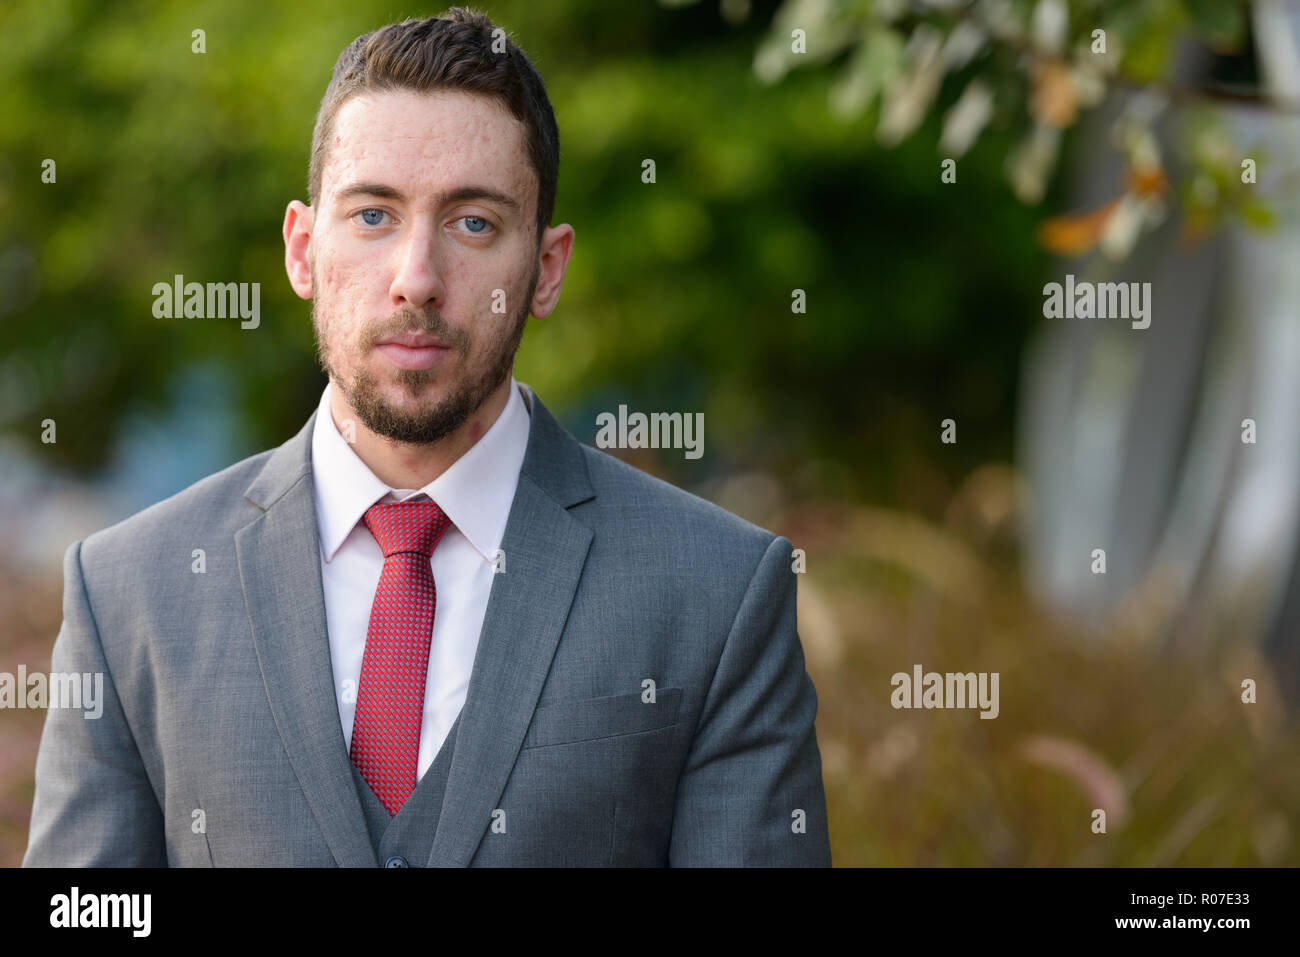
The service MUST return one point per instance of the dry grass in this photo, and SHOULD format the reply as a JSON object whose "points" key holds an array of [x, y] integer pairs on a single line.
{"points": [[1157, 737]]}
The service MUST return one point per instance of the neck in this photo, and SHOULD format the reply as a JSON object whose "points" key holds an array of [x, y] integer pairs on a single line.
{"points": [[404, 465]]}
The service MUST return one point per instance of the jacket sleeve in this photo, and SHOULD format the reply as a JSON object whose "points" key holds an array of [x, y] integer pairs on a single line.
{"points": [[94, 804], [751, 793]]}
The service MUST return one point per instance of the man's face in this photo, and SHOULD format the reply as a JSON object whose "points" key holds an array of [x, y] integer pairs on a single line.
{"points": [[421, 284]]}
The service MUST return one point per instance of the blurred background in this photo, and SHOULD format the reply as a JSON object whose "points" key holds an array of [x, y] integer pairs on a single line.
{"points": [[799, 145]]}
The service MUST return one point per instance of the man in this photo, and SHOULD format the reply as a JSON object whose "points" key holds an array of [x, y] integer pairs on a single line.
{"points": [[432, 628]]}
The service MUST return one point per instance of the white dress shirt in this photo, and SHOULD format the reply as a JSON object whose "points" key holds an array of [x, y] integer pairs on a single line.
{"points": [[476, 493]]}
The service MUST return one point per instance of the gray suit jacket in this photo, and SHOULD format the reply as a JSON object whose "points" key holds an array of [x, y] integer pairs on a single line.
{"points": [[220, 708]]}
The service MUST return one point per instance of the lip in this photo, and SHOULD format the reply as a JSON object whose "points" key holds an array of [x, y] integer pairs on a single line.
{"points": [[414, 340], [424, 354]]}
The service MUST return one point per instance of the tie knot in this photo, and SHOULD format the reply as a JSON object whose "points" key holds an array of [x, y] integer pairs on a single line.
{"points": [[407, 526]]}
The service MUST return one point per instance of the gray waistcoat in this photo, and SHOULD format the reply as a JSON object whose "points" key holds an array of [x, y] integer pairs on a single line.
{"points": [[408, 835]]}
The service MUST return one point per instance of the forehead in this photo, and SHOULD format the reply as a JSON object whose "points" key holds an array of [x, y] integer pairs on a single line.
{"points": [[424, 142]]}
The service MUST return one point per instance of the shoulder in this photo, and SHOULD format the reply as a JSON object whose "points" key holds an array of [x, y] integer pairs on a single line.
{"points": [[640, 504], [214, 504]]}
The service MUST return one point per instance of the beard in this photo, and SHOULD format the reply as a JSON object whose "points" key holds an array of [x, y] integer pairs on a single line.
{"points": [[423, 425]]}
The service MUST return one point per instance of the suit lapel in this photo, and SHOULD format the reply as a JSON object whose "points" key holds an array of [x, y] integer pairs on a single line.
{"points": [[279, 567], [545, 550]]}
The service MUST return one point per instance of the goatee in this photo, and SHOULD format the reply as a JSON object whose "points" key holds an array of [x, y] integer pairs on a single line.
{"points": [[423, 425]]}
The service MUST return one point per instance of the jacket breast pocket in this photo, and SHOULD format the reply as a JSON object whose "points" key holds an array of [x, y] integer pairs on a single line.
{"points": [[590, 719]]}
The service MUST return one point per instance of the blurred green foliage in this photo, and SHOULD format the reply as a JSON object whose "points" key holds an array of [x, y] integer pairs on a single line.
{"points": [[678, 294]]}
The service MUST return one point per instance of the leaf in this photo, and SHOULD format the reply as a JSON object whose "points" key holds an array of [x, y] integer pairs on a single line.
{"points": [[1148, 180], [1053, 101], [1077, 233], [908, 100], [875, 65], [1222, 22], [1150, 47], [968, 116], [1256, 214], [1123, 228], [1031, 161]]}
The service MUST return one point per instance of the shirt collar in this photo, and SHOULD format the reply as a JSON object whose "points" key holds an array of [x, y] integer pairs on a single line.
{"points": [[476, 492]]}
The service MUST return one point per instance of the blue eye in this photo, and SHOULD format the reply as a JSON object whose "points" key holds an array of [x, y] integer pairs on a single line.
{"points": [[371, 217], [475, 219]]}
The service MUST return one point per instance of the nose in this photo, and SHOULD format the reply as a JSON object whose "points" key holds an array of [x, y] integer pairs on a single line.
{"points": [[418, 281]]}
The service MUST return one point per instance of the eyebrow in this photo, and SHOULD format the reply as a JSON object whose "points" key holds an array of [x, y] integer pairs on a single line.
{"points": [[450, 196]]}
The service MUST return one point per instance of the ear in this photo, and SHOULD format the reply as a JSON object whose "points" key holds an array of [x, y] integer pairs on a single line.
{"points": [[298, 220], [556, 248]]}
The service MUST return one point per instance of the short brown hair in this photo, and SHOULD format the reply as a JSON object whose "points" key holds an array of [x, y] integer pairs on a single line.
{"points": [[451, 52]]}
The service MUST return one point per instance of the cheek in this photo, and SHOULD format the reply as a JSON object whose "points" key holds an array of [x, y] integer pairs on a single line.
{"points": [[339, 280], [341, 292], [344, 265], [498, 292]]}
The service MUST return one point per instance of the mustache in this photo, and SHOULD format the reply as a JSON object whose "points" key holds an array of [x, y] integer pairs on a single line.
{"points": [[410, 321]]}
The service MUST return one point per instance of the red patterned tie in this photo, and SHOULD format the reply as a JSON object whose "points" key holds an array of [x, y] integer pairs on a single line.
{"points": [[390, 698]]}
